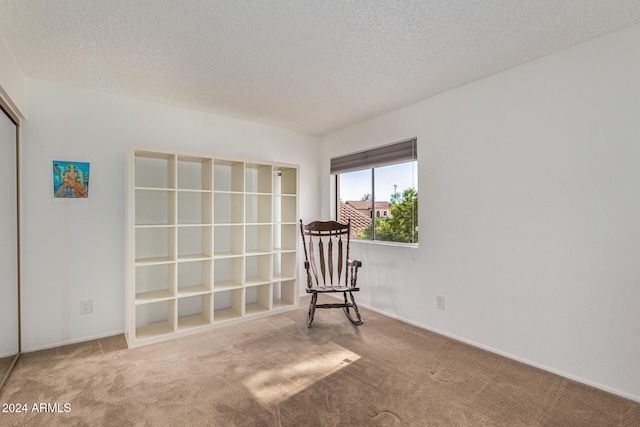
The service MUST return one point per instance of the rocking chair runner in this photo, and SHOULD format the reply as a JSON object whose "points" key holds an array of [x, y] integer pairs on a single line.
{"points": [[315, 235]]}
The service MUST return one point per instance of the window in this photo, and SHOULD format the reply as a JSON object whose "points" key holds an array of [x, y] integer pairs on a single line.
{"points": [[378, 190]]}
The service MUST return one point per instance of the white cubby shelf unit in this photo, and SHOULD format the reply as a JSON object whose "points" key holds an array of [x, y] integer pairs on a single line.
{"points": [[209, 241]]}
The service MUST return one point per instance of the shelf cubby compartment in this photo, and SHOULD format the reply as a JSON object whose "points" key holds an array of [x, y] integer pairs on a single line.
{"points": [[228, 208], [285, 237], [228, 273], [155, 170], [285, 181], [155, 283], [258, 269], [228, 240], [284, 266], [258, 239], [257, 299], [194, 173], [228, 305], [194, 242], [258, 209], [194, 278], [288, 211], [155, 207], [194, 207], [284, 294], [155, 319], [194, 311], [257, 178], [228, 176], [155, 245]]}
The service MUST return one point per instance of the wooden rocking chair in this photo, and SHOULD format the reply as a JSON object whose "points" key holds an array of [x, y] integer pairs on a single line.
{"points": [[316, 235]]}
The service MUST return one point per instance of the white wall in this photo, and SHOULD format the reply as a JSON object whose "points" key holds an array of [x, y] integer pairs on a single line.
{"points": [[529, 213], [73, 249]]}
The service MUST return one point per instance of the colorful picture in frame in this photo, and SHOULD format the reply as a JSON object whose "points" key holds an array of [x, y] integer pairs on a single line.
{"points": [[70, 179]]}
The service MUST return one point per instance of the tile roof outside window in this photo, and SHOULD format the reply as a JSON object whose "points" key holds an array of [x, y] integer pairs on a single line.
{"points": [[359, 221]]}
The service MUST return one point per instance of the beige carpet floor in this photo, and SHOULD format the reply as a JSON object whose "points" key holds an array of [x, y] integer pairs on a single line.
{"points": [[5, 365], [275, 372]]}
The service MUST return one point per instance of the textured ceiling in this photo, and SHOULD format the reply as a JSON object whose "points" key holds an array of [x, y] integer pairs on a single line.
{"points": [[309, 65]]}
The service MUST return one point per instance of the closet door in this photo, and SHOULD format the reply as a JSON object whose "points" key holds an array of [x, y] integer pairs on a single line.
{"points": [[8, 243]]}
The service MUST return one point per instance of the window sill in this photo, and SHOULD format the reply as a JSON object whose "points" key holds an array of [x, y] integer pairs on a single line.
{"points": [[385, 243]]}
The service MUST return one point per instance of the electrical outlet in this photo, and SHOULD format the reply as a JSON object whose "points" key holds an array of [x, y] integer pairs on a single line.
{"points": [[439, 302], [86, 306]]}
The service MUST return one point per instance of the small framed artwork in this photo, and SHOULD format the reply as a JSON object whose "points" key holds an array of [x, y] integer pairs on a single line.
{"points": [[70, 179]]}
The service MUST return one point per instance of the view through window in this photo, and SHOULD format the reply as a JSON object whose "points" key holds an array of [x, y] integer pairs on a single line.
{"points": [[380, 200]]}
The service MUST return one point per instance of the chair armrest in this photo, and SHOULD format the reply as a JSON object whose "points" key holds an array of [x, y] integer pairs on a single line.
{"points": [[354, 263]]}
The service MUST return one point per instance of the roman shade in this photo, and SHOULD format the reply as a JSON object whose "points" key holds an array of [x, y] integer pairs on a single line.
{"points": [[398, 152]]}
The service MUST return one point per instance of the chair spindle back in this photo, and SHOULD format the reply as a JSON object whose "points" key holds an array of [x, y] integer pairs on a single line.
{"points": [[314, 237]]}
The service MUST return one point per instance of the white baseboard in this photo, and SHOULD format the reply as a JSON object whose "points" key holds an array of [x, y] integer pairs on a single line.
{"points": [[73, 341]]}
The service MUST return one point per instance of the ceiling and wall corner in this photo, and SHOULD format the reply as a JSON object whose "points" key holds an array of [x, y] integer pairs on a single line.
{"points": [[312, 66], [12, 80]]}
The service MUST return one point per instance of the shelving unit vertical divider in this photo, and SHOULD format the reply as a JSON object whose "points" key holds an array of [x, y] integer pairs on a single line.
{"points": [[172, 184], [129, 249], [207, 183]]}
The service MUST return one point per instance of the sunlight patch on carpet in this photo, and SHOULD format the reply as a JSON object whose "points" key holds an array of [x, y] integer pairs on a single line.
{"points": [[274, 385]]}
